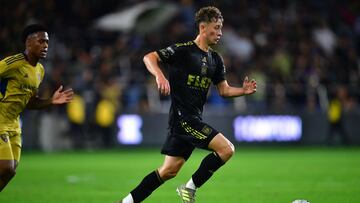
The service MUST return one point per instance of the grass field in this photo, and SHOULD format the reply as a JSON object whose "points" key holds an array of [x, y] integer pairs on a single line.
{"points": [[254, 175]]}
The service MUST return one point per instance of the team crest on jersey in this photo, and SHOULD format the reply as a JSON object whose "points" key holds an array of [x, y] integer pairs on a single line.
{"points": [[4, 137], [207, 130], [204, 60]]}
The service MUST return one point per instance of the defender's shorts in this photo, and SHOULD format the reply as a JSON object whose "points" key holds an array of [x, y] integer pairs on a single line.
{"points": [[10, 145], [185, 135]]}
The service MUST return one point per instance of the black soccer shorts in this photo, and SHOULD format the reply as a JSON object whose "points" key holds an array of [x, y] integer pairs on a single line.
{"points": [[186, 134]]}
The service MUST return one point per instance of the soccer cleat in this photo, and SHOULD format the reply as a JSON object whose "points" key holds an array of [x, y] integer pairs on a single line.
{"points": [[187, 195]]}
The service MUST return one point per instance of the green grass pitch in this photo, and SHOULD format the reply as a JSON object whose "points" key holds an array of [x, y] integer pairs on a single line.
{"points": [[253, 175]]}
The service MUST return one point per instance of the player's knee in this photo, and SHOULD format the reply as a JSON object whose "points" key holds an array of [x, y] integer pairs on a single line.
{"points": [[227, 152], [169, 172]]}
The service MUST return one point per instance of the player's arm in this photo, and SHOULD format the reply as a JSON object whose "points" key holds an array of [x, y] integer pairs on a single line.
{"points": [[225, 90], [59, 97], [4, 68], [152, 61]]}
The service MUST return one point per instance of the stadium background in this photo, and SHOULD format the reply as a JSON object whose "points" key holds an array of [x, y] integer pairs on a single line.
{"points": [[303, 54]]}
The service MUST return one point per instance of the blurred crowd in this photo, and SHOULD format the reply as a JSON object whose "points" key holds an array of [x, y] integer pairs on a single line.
{"points": [[300, 53]]}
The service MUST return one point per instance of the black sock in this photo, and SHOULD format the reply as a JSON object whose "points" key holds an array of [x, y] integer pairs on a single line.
{"points": [[208, 166], [147, 186]]}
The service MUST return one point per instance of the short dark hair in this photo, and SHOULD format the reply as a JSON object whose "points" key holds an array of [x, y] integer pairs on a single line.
{"points": [[30, 29], [207, 15]]}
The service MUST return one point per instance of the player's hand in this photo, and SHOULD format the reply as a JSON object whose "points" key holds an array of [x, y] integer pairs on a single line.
{"points": [[249, 86], [61, 97], [163, 85]]}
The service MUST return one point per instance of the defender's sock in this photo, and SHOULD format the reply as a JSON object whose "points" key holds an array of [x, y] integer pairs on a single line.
{"points": [[146, 186], [190, 184], [128, 199], [208, 166]]}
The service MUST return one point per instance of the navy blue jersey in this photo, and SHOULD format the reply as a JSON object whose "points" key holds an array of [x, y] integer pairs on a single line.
{"points": [[191, 72]]}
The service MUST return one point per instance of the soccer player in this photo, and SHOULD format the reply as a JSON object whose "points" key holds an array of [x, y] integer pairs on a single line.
{"points": [[20, 77], [193, 67]]}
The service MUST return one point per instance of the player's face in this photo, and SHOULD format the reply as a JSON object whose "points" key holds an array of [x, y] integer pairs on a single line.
{"points": [[38, 44], [213, 31]]}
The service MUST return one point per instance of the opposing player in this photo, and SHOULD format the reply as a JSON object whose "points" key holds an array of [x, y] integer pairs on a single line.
{"points": [[193, 67], [20, 77]]}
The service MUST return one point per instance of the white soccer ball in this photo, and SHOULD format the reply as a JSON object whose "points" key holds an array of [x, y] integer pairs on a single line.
{"points": [[300, 201]]}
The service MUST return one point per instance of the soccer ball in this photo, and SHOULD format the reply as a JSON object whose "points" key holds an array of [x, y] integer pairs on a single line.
{"points": [[300, 201]]}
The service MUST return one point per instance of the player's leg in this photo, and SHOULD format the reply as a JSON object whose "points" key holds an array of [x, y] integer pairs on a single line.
{"points": [[170, 167], [223, 150], [7, 172], [222, 146], [153, 180], [203, 136], [176, 152], [8, 162]]}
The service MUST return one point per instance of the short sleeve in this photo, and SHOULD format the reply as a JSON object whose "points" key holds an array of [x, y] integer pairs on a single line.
{"points": [[4, 68], [220, 72], [169, 54]]}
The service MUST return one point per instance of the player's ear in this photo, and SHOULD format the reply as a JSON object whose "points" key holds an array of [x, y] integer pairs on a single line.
{"points": [[27, 43], [202, 26]]}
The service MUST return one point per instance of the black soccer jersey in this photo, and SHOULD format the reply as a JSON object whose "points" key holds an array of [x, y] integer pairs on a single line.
{"points": [[191, 72]]}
